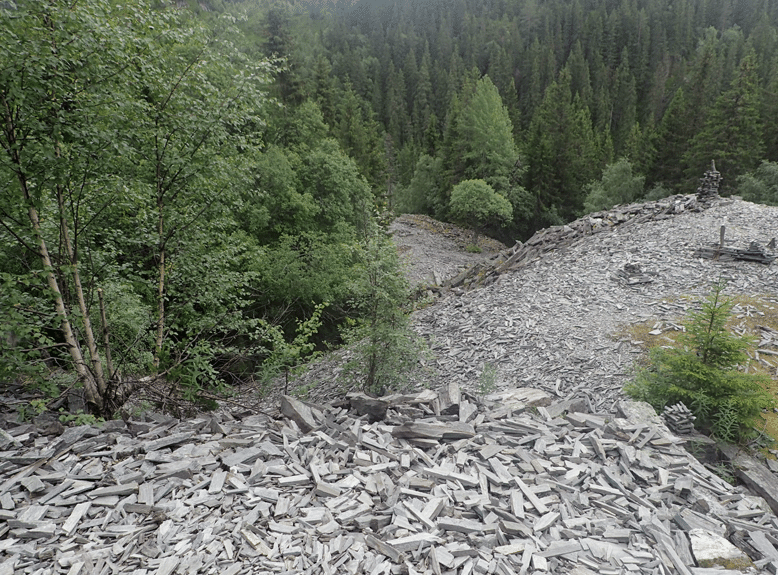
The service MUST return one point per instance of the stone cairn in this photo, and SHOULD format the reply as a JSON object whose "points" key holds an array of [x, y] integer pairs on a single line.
{"points": [[709, 183], [679, 419]]}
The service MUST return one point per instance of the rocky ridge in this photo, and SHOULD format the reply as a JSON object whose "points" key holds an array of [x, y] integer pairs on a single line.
{"points": [[552, 313]]}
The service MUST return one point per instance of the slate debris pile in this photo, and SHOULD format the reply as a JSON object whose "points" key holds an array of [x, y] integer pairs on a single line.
{"points": [[561, 237], [679, 419], [633, 275], [443, 484]]}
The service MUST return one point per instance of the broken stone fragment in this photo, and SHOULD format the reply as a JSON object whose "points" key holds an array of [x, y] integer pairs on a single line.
{"points": [[712, 550]]}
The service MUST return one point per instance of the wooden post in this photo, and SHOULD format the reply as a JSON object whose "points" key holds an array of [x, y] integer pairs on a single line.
{"points": [[722, 231]]}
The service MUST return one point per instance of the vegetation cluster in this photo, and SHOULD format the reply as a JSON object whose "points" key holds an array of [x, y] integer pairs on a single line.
{"points": [[164, 216], [707, 369], [561, 106], [196, 191]]}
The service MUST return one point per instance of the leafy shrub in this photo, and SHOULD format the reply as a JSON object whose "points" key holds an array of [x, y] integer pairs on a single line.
{"points": [[658, 192], [25, 335], [704, 374], [487, 381], [475, 203]]}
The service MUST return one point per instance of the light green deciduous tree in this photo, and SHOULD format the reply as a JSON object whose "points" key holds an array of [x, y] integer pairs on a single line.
{"points": [[618, 186], [475, 203]]}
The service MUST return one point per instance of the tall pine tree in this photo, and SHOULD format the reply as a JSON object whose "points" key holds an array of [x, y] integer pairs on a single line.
{"points": [[562, 155], [732, 134]]}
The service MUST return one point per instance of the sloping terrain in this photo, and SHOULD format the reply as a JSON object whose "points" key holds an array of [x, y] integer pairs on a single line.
{"points": [[549, 473], [433, 251], [556, 316], [554, 322]]}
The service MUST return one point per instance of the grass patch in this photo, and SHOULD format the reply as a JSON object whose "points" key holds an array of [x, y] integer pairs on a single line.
{"points": [[752, 316]]}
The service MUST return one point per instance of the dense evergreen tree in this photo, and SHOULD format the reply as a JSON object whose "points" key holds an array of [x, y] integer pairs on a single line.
{"points": [[732, 134], [562, 155], [624, 103], [673, 137], [482, 145], [360, 136]]}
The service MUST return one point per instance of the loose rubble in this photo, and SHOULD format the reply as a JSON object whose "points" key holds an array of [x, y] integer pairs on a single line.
{"points": [[517, 483], [555, 315], [552, 472]]}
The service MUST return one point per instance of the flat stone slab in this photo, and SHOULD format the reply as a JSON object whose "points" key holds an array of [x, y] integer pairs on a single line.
{"points": [[758, 478], [711, 550]]}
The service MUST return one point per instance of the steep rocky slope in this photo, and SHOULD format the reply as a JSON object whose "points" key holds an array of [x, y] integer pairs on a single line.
{"points": [[581, 483], [555, 323]]}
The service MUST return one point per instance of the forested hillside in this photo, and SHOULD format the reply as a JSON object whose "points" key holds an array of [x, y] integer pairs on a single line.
{"points": [[655, 89], [194, 191]]}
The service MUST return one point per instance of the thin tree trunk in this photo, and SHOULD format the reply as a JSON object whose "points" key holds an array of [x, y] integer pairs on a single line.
{"points": [[92, 393], [90, 386], [106, 338], [97, 365], [160, 291]]}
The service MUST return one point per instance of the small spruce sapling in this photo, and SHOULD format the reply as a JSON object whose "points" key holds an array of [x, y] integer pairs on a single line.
{"points": [[704, 373]]}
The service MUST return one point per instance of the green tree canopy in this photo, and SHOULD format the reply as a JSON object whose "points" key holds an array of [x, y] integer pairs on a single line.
{"points": [[562, 154], [761, 185], [484, 147], [732, 135], [475, 203]]}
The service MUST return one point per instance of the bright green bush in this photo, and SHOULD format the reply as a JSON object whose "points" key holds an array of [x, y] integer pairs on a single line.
{"points": [[704, 373], [476, 204], [760, 186], [619, 185]]}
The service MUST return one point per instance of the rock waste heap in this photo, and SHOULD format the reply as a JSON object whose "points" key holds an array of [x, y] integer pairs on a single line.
{"points": [[575, 233], [496, 487]]}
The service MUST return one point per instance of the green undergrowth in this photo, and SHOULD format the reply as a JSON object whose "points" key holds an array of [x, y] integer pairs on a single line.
{"points": [[748, 320]]}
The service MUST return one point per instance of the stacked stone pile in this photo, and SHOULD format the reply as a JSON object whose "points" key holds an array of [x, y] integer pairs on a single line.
{"points": [[679, 419], [709, 184]]}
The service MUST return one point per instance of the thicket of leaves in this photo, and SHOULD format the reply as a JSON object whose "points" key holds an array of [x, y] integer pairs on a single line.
{"points": [[706, 372], [214, 168], [476, 204], [145, 159]]}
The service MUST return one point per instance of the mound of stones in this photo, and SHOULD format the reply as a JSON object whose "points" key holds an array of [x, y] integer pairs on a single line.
{"points": [[427, 483], [568, 235]]}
